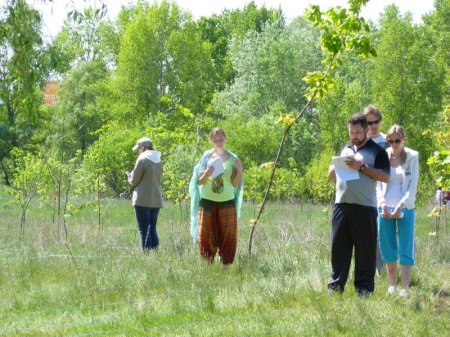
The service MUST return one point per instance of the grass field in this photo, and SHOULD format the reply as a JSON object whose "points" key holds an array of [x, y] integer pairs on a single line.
{"points": [[99, 282]]}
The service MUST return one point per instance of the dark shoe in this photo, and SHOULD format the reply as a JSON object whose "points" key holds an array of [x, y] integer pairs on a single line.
{"points": [[331, 291], [363, 293]]}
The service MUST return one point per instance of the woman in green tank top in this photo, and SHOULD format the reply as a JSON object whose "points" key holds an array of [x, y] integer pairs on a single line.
{"points": [[218, 177]]}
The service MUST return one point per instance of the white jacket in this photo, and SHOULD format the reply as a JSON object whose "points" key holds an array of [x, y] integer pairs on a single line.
{"points": [[410, 180]]}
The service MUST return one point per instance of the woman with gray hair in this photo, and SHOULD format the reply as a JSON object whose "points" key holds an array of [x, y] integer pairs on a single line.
{"points": [[147, 196]]}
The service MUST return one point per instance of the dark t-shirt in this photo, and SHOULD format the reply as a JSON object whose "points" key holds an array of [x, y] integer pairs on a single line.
{"points": [[362, 191]]}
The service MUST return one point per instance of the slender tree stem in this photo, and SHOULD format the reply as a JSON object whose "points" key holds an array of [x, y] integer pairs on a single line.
{"points": [[277, 159]]}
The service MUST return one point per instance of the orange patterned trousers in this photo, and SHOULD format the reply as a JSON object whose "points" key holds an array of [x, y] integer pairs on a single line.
{"points": [[217, 230]]}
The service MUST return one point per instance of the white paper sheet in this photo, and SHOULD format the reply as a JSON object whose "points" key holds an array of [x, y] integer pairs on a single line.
{"points": [[343, 172], [217, 163]]}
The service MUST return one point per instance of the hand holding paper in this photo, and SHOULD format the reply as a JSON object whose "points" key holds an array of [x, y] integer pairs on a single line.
{"points": [[343, 172], [217, 165]]}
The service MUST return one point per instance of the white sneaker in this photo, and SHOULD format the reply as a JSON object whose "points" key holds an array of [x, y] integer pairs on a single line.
{"points": [[404, 293], [392, 290]]}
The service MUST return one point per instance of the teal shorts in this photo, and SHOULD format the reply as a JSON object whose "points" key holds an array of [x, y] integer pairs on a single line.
{"points": [[396, 238]]}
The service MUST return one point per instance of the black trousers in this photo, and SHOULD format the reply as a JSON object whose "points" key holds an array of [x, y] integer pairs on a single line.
{"points": [[353, 226]]}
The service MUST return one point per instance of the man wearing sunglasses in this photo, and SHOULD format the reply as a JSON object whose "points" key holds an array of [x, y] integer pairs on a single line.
{"points": [[374, 118]]}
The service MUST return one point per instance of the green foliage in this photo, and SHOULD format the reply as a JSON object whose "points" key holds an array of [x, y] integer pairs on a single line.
{"points": [[286, 185], [269, 68], [426, 189], [321, 82], [157, 72], [78, 115], [23, 60], [27, 180], [178, 166], [337, 106], [86, 37], [256, 180], [107, 160], [437, 26], [24, 65], [342, 30], [317, 186], [408, 81], [254, 141], [177, 127], [221, 29], [440, 168], [57, 183], [303, 143], [439, 162], [152, 63], [27, 176]]}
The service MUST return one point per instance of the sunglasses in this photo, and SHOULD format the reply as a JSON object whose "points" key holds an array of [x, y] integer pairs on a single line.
{"points": [[374, 122], [396, 141]]}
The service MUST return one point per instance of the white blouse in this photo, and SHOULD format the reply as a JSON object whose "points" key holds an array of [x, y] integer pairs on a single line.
{"points": [[394, 193]]}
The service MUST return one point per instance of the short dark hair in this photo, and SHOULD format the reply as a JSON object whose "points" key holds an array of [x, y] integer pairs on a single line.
{"points": [[358, 119]]}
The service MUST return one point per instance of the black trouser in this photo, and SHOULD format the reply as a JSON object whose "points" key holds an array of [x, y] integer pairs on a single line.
{"points": [[353, 225]]}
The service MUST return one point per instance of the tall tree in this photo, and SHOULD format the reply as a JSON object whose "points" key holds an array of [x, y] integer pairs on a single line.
{"points": [[437, 24], [408, 82], [269, 68], [86, 37], [162, 54], [24, 64], [221, 29], [78, 115]]}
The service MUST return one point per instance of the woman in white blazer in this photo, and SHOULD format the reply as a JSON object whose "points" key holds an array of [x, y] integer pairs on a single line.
{"points": [[396, 202]]}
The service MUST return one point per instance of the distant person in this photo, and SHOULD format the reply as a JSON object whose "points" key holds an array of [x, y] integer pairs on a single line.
{"points": [[442, 197], [147, 196], [374, 120], [396, 201], [216, 200], [354, 220], [439, 196]]}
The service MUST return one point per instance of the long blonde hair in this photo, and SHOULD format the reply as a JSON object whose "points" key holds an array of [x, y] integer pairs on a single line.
{"points": [[399, 130]]}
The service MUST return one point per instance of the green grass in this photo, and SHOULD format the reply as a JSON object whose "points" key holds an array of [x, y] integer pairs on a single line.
{"points": [[106, 286]]}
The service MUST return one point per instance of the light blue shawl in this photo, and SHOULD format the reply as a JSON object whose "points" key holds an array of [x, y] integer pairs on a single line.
{"points": [[195, 192]]}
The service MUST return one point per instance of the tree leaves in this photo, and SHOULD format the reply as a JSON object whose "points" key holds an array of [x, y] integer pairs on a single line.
{"points": [[286, 120], [342, 31]]}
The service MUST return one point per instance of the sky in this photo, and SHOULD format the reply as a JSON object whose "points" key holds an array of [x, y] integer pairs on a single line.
{"points": [[55, 12]]}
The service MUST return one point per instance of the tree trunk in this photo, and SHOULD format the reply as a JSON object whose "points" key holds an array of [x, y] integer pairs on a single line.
{"points": [[5, 171]]}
